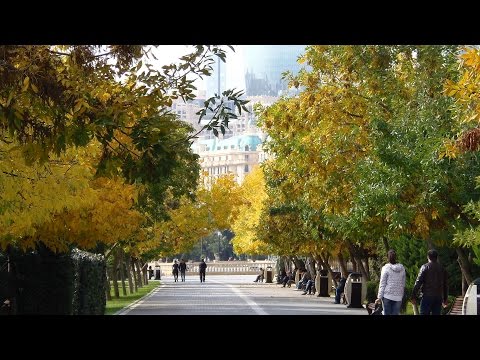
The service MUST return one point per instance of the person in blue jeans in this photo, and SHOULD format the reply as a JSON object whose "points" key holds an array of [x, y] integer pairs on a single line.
{"points": [[432, 280], [340, 288], [392, 285]]}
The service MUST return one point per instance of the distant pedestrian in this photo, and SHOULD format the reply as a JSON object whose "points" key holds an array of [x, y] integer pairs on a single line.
{"points": [[202, 267], [175, 270], [150, 272], [183, 268], [392, 285], [432, 279], [339, 290]]}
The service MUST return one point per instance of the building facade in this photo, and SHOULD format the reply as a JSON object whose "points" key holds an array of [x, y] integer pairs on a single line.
{"points": [[236, 155]]}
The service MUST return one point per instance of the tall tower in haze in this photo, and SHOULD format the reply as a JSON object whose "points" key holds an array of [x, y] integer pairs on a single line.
{"points": [[217, 82], [264, 65]]}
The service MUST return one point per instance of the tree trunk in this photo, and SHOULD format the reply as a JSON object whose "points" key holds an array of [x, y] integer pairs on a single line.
{"points": [[311, 266], [134, 274], [367, 267], [129, 273], [464, 285], [326, 266], [354, 255], [386, 244], [354, 263], [145, 273], [343, 265], [122, 270], [288, 264], [139, 272], [108, 288], [114, 275], [464, 265], [299, 263]]}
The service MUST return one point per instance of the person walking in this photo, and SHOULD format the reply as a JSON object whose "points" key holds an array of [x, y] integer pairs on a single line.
{"points": [[392, 285], [432, 280], [202, 267], [342, 280], [175, 270], [183, 268]]}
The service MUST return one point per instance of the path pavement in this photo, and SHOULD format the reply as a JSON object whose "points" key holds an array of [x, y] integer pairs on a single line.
{"points": [[232, 295]]}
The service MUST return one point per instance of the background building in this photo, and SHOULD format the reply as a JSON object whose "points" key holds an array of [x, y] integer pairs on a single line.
{"points": [[264, 65], [240, 148], [235, 155]]}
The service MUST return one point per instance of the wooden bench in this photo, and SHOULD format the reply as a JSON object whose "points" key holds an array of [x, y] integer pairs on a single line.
{"points": [[456, 308]]}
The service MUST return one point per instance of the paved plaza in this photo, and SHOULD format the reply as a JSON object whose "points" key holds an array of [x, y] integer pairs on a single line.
{"points": [[232, 295]]}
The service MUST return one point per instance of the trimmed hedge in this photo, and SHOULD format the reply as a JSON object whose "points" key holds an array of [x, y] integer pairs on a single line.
{"points": [[89, 284], [57, 284]]}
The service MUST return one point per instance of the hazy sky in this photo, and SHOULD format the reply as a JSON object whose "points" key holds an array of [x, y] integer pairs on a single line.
{"points": [[167, 54]]}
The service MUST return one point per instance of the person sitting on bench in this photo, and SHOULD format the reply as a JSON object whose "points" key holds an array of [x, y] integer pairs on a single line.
{"points": [[288, 279], [259, 277], [304, 279]]}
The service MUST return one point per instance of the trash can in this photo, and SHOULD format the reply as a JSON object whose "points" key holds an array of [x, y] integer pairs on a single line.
{"points": [[157, 272], [471, 301], [323, 283], [354, 292], [269, 274]]}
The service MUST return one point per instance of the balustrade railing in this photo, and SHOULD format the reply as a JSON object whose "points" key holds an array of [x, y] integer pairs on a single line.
{"points": [[218, 267]]}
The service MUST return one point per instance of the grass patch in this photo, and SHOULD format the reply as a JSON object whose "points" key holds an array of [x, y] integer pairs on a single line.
{"points": [[409, 309], [115, 305]]}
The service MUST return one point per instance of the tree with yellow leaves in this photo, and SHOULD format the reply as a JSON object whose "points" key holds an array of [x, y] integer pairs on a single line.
{"points": [[245, 226], [214, 207], [356, 154]]}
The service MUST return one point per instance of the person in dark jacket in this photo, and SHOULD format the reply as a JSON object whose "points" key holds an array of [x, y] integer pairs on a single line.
{"points": [[432, 279], [340, 288], [175, 270], [183, 268], [202, 267]]}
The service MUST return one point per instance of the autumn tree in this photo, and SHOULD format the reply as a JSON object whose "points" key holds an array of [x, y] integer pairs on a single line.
{"points": [[358, 154], [245, 226], [212, 208], [57, 98]]}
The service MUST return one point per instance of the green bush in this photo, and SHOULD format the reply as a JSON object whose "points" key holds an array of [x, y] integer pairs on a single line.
{"points": [[44, 282], [407, 295], [372, 291], [89, 283], [47, 283]]}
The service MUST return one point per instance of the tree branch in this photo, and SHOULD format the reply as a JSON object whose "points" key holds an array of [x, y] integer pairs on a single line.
{"points": [[16, 175]]}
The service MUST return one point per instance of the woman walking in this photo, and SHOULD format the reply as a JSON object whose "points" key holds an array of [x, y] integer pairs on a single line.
{"points": [[392, 285]]}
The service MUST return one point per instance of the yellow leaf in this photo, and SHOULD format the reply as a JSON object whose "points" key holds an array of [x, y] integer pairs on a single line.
{"points": [[26, 82], [34, 88]]}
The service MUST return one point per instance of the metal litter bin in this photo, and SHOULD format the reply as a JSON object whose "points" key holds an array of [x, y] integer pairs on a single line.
{"points": [[157, 272], [323, 283], [354, 291], [269, 274]]}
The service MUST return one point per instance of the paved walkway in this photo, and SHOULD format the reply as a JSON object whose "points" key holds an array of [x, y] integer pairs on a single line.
{"points": [[232, 295]]}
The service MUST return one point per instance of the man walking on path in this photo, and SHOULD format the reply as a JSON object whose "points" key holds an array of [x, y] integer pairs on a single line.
{"points": [[182, 267], [432, 278], [202, 267], [175, 270]]}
